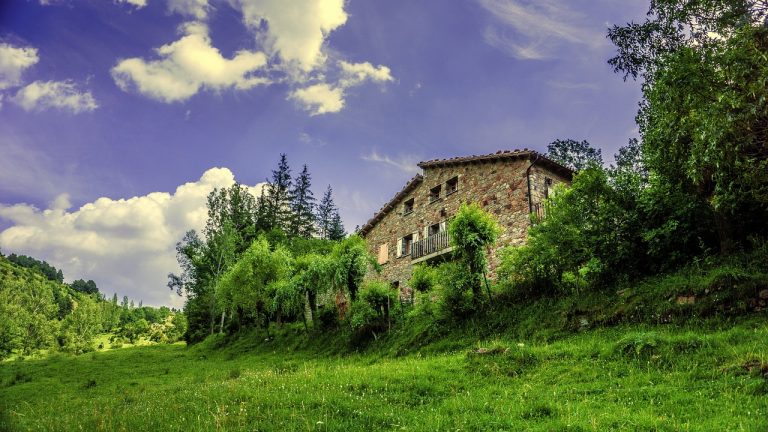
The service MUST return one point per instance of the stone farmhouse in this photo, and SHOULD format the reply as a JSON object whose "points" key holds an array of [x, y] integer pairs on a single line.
{"points": [[411, 228]]}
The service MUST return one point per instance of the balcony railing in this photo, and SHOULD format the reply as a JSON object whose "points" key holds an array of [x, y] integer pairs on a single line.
{"points": [[430, 245]]}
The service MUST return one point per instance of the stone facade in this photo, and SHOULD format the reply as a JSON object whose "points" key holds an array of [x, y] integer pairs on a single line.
{"points": [[498, 183]]}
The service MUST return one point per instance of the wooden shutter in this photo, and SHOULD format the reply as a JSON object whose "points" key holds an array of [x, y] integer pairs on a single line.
{"points": [[399, 251], [383, 253], [442, 226]]}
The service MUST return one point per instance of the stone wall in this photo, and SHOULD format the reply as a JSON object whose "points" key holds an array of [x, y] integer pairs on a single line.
{"points": [[499, 186]]}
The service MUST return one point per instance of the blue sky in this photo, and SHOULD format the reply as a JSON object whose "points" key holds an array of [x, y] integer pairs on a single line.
{"points": [[117, 117]]}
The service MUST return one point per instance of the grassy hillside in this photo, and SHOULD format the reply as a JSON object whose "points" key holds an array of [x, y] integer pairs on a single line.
{"points": [[687, 351], [624, 378]]}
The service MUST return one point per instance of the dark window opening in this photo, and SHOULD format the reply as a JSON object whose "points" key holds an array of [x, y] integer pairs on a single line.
{"points": [[407, 244], [433, 229], [434, 193], [547, 186], [451, 185], [408, 207]]}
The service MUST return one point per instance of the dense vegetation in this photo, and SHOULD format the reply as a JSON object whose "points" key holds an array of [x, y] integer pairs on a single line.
{"points": [[40, 315], [516, 366]]}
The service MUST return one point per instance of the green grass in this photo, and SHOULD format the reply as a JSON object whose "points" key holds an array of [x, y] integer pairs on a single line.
{"points": [[634, 360], [624, 378]]}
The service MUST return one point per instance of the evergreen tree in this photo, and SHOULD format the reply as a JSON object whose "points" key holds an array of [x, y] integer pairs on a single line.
{"points": [[279, 195], [302, 206], [325, 212], [265, 221], [336, 230]]}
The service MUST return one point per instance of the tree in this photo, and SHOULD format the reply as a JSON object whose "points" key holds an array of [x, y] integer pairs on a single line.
{"points": [[279, 195], [704, 114], [573, 154], [314, 274], [351, 259], [85, 287], [471, 231], [336, 231], [247, 286], [82, 325], [302, 206], [325, 213]]}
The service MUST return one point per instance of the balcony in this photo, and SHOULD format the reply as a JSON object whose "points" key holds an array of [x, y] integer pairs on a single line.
{"points": [[431, 246]]}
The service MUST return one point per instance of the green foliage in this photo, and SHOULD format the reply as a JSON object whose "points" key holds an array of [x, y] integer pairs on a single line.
{"points": [[81, 326], [247, 287], [704, 112], [573, 154], [423, 278], [351, 260], [454, 300], [85, 287], [47, 270], [472, 231]]}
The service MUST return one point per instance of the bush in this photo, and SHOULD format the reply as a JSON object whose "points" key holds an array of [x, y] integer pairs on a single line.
{"points": [[455, 298], [424, 278]]}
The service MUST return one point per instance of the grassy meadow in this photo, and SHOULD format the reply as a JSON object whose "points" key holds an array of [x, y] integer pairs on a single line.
{"points": [[700, 378]]}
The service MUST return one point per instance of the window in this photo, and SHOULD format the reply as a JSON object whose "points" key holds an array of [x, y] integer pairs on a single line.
{"points": [[452, 185], [547, 186], [434, 193], [383, 256], [433, 229], [408, 207], [407, 243]]}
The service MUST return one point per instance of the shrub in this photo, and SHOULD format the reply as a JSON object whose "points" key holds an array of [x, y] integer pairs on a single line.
{"points": [[424, 278]]}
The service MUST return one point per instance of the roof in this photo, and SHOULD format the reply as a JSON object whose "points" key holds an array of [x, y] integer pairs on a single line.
{"points": [[411, 185], [435, 163], [499, 155]]}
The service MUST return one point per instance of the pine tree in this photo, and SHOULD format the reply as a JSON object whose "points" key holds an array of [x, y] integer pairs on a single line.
{"points": [[302, 206], [279, 195], [325, 212], [336, 230], [265, 221]]}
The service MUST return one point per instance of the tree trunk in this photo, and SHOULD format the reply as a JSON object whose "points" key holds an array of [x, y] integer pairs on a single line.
{"points": [[312, 297], [221, 325], [725, 233]]}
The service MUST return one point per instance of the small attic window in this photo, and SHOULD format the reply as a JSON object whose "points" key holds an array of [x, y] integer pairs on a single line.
{"points": [[408, 207], [434, 193], [452, 185]]}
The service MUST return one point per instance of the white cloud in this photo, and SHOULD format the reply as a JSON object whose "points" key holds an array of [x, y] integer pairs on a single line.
{"points": [[406, 164], [357, 73], [291, 41], [64, 95], [534, 30], [13, 61], [297, 31], [320, 98], [187, 65], [138, 3], [197, 9], [125, 245], [323, 98]]}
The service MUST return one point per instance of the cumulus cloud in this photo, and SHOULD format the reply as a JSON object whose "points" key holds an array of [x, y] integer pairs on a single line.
{"points": [[125, 245], [296, 32], [534, 30], [320, 98], [291, 42], [187, 65], [13, 61], [63, 95]]}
